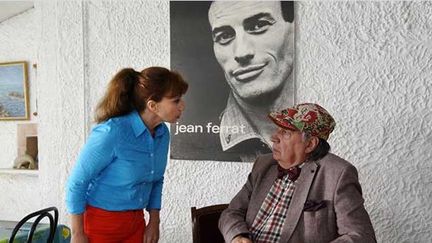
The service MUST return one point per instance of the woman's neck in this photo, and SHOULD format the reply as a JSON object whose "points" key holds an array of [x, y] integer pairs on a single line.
{"points": [[151, 120]]}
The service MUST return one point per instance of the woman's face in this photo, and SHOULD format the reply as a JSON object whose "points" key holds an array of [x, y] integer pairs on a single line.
{"points": [[170, 109]]}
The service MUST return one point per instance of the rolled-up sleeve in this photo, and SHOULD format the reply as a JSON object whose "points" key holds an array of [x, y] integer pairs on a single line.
{"points": [[96, 154], [156, 195]]}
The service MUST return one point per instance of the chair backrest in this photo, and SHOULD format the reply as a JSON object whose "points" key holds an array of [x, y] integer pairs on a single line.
{"points": [[53, 221], [205, 224]]}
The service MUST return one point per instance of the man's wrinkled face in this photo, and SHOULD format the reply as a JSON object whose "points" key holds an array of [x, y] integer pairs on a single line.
{"points": [[289, 147], [254, 46]]}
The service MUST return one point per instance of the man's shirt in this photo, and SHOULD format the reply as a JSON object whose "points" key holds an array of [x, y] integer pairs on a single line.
{"points": [[120, 167]]}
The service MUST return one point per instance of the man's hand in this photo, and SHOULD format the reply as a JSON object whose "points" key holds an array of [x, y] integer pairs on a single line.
{"points": [[241, 239]]}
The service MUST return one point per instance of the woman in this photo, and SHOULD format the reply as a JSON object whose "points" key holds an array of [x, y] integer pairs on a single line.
{"points": [[120, 169]]}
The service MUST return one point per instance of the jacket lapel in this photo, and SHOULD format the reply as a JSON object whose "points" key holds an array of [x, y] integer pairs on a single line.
{"points": [[301, 192]]}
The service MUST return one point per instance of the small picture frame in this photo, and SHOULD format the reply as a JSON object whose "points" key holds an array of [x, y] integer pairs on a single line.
{"points": [[14, 100]]}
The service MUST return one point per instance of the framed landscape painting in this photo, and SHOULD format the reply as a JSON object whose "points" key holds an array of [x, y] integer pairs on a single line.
{"points": [[14, 91]]}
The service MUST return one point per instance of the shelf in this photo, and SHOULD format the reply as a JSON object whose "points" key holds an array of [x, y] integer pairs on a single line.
{"points": [[19, 172]]}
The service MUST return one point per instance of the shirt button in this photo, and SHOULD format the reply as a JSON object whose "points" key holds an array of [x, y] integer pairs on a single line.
{"points": [[228, 138], [151, 155], [152, 171], [140, 199]]}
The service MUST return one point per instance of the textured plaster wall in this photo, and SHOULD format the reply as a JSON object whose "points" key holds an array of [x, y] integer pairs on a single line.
{"points": [[20, 195], [368, 63], [18, 42], [19, 39]]}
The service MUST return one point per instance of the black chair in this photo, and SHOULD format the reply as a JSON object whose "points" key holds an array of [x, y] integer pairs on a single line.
{"points": [[205, 224], [53, 221]]}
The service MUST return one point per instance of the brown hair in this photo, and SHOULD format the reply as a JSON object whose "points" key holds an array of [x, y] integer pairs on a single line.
{"points": [[129, 90]]}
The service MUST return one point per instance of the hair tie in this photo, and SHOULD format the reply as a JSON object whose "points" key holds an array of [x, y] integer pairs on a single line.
{"points": [[139, 79]]}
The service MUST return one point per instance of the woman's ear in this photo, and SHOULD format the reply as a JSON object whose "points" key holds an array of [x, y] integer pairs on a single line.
{"points": [[152, 105], [312, 144]]}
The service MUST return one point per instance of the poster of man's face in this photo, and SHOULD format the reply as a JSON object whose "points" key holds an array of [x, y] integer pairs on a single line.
{"points": [[238, 58]]}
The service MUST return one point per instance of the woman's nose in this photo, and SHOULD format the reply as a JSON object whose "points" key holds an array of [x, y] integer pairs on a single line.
{"points": [[182, 105]]}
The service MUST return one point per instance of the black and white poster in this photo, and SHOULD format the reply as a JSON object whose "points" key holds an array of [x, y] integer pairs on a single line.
{"points": [[238, 58]]}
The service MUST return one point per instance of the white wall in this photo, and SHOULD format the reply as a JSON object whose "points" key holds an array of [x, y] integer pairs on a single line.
{"points": [[368, 63], [18, 42]]}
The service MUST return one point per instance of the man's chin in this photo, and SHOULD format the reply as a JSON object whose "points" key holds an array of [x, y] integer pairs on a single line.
{"points": [[257, 96], [275, 156]]}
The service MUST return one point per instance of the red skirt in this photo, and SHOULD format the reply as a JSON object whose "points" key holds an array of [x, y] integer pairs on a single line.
{"points": [[114, 226]]}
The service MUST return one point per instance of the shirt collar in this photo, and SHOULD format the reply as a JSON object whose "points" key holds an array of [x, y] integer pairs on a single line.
{"points": [[139, 127], [233, 116]]}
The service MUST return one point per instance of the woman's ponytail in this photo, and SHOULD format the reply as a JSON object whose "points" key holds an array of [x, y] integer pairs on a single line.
{"points": [[119, 98]]}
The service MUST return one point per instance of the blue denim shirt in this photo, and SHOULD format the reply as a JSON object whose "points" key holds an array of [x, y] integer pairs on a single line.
{"points": [[121, 167]]}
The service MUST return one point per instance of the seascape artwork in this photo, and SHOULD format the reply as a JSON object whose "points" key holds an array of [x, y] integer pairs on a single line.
{"points": [[13, 91]]}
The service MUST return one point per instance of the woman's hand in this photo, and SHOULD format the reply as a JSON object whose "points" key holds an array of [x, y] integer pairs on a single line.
{"points": [[77, 224], [151, 234], [79, 238]]}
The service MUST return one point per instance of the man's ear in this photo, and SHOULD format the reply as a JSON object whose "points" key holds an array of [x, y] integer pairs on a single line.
{"points": [[152, 105], [312, 144]]}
